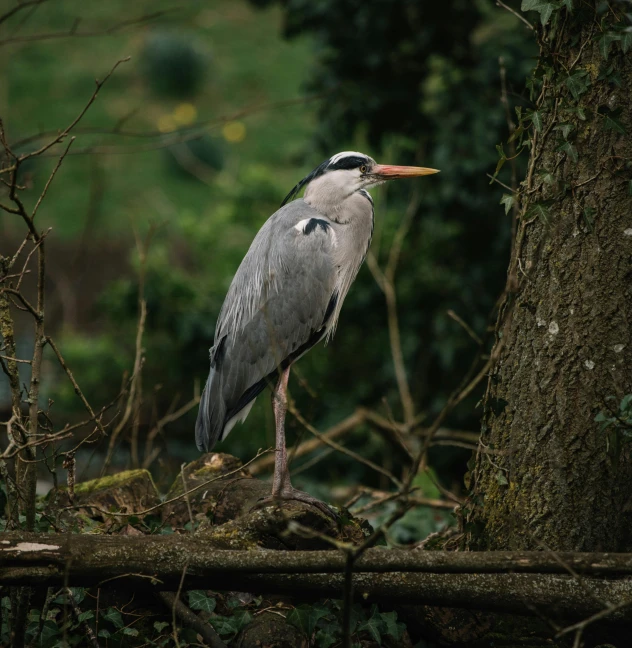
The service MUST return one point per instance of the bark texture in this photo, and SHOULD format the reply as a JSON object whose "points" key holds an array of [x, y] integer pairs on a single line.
{"points": [[474, 581], [546, 474]]}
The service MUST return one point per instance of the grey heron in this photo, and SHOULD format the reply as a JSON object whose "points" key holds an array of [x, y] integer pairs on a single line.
{"points": [[286, 296]]}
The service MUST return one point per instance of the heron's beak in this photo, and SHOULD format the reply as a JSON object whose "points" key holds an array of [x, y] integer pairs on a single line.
{"points": [[389, 172]]}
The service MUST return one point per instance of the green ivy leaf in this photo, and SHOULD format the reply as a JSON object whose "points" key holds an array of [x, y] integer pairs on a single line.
{"points": [[373, 625], [626, 40], [605, 41], [501, 479], [578, 83], [541, 211], [547, 177], [305, 617], [84, 616], [589, 218], [324, 639], [159, 626], [543, 7], [392, 627], [231, 625], [508, 201], [568, 4], [565, 129], [49, 630], [106, 634], [612, 122], [536, 120], [569, 149], [130, 632], [626, 403], [198, 600], [223, 625], [502, 159], [114, 617]]}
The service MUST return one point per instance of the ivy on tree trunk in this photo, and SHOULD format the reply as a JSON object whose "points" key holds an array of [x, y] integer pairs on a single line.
{"points": [[554, 469]]}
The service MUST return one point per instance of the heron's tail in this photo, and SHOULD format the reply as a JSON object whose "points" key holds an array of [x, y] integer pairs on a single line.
{"points": [[210, 419]]}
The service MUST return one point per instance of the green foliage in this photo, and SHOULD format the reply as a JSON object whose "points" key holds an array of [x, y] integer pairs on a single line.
{"points": [[173, 64], [198, 600], [229, 626], [612, 122], [202, 155], [540, 210], [508, 201], [578, 83], [569, 149], [306, 617], [617, 426], [536, 120], [543, 7], [605, 41], [322, 623], [114, 617]]}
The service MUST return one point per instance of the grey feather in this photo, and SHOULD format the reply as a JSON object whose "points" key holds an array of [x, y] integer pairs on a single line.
{"points": [[284, 298]]}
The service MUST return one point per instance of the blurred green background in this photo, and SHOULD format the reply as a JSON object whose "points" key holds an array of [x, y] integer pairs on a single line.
{"points": [[221, 109]]}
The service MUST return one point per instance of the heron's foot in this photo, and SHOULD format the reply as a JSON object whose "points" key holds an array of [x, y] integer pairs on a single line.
{"points": [[292, 493]]}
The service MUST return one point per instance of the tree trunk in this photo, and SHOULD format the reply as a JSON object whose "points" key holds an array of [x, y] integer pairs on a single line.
{"points": [[547, 474]]}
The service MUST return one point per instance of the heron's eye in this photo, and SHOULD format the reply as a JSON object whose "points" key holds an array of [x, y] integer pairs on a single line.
{"points": [[364, 168]]}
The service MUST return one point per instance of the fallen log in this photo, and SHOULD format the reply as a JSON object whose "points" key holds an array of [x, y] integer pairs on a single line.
{"points": [[518, 582]]}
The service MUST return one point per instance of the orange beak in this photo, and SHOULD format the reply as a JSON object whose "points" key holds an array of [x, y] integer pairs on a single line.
{"points": [[390, 172]]}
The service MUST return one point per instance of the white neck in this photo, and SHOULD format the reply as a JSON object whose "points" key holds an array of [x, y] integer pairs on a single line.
{"points": [[328, 192]]}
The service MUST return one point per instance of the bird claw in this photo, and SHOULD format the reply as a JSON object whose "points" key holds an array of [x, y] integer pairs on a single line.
{"points": [[299, 496]]}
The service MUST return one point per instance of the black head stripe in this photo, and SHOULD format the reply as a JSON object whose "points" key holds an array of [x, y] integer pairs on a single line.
{"points": [[344, 163], [348, 162]]}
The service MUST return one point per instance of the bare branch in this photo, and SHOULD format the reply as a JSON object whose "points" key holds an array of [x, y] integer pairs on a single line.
{"points": [[336, 446], [51, 178], [74, 33], [181, 135], [18, 7], [66, 131]]}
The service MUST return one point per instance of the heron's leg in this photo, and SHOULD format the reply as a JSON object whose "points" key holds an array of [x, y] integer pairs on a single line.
{"points": [[281, 479], [281, 485]]}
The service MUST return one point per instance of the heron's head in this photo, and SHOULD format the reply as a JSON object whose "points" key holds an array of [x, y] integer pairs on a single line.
{"points": [[348, 172]]}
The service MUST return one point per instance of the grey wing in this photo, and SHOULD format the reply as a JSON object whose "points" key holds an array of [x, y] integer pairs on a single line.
{"points": [[285, 293]]}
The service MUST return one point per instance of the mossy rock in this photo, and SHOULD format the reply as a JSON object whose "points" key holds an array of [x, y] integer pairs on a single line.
{"points": [[210, 467], [130, 491], [270, 630]]}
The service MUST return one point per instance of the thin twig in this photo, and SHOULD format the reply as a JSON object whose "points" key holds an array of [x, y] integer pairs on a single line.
{"points": [[520, 17], [86, 626], [75, 385], [73, 33], [66, 131], [468, 329], [336, 446], [51, 178]]}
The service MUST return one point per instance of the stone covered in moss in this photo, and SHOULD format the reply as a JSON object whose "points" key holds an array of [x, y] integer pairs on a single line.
{"points": [[212, 474], [130, 491]]}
